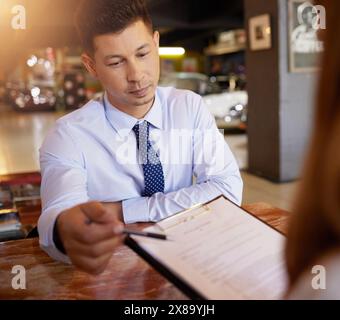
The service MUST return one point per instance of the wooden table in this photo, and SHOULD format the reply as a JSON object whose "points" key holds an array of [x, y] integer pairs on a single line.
{"points": [[127, 276]]}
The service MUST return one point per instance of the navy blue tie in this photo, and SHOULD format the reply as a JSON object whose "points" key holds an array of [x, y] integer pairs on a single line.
{"points": [[152, 167]]}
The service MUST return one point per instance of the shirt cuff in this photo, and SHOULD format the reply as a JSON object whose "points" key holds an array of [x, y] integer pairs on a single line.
{"points": [[45, 226], [135, 210], [56, 238]]}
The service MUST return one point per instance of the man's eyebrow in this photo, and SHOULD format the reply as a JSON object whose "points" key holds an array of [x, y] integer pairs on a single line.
{"points": [[112, 56], [143, 46]]}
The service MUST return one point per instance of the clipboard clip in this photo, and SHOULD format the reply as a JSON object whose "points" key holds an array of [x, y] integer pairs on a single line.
{"points": [[183, 216]]}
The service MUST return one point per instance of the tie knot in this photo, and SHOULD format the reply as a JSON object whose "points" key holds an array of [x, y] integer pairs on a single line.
{"points": [[141, 131], [141, 128]]}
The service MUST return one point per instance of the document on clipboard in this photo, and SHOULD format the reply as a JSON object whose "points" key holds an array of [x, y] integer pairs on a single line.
{"points": [[217, 251]]}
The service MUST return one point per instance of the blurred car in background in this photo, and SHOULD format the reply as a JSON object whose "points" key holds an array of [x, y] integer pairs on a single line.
{"points": [[30, 98], [35, 91], [228, 107], [197, 82], [43, 86]]}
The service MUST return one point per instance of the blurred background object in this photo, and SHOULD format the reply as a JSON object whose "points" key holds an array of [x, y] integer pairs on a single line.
{"points": [[228, 106]]}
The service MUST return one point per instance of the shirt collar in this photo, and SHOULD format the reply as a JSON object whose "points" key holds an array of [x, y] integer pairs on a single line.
{"points": [[123, 123]]}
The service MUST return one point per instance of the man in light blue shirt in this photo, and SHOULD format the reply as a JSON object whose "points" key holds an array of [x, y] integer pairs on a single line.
{"points": [[130, 155]]}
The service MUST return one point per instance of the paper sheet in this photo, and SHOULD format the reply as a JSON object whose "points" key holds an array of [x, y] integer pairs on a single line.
{"points": [[222, 252]]}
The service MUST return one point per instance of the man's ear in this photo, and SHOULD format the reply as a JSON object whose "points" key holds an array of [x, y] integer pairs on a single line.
{"points": [[156, 39], [89, 64]]}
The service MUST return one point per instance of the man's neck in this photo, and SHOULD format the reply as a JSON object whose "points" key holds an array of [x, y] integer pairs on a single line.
{"points": [[138, 112]]}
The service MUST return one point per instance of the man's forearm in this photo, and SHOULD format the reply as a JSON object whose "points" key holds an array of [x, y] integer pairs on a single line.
{"points": [[161, 205]]}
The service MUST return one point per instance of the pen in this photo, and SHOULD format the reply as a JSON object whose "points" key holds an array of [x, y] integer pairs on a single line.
{"points": [[145, 234]]}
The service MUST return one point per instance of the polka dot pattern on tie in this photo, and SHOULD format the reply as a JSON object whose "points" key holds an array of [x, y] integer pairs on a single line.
{"points": [[152, 167]]}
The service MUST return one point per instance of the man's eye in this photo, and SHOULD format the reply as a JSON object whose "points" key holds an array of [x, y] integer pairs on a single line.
{"points": [[143, 54], [115, 64]]}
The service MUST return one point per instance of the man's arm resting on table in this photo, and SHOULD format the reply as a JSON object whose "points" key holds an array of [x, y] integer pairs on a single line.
{"points": [[160, 205]]}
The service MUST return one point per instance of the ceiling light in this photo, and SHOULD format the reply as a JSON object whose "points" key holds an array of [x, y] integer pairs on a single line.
{"points": [[171, 51]]}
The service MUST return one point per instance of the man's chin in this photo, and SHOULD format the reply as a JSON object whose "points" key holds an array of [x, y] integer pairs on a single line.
{"points": [[148, 100]]}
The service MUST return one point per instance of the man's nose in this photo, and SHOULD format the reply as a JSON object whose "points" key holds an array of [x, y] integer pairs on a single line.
{"points": [[135, 72]]}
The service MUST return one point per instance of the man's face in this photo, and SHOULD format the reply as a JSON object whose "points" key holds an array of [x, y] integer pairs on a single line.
{"points": [[127, 65]]}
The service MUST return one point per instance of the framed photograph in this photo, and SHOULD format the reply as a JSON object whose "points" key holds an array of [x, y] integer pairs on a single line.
{"points": [[260, 32], [303, 43]]}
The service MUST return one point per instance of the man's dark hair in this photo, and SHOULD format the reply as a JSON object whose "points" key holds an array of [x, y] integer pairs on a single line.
{"points": [[99, 17]]}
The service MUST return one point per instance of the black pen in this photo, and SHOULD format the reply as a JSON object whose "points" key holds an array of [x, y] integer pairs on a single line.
{"points": [[145, 234]]}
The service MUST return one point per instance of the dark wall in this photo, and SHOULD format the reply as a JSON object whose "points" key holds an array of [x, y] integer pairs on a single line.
{"points": [[263, 89], [280, 102]]}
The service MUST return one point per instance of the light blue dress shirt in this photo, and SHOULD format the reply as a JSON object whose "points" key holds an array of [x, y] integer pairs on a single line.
{"points": [[91, 155]]}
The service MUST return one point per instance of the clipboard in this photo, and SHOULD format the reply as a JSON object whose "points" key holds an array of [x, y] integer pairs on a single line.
{"points": [[201, 212]]}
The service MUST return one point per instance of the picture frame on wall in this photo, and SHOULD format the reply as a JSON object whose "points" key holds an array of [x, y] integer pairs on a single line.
{"points": [[303, 43], [260, 35]]}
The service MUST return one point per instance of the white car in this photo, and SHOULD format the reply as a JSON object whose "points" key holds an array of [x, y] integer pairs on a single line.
{"points": [[228, 108]]}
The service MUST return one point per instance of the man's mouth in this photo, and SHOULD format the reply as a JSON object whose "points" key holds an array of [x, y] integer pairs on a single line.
{"points": [[140, 92]]}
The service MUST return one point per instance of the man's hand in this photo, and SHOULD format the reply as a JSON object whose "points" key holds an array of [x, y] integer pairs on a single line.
{"points": [[89, 233]]}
